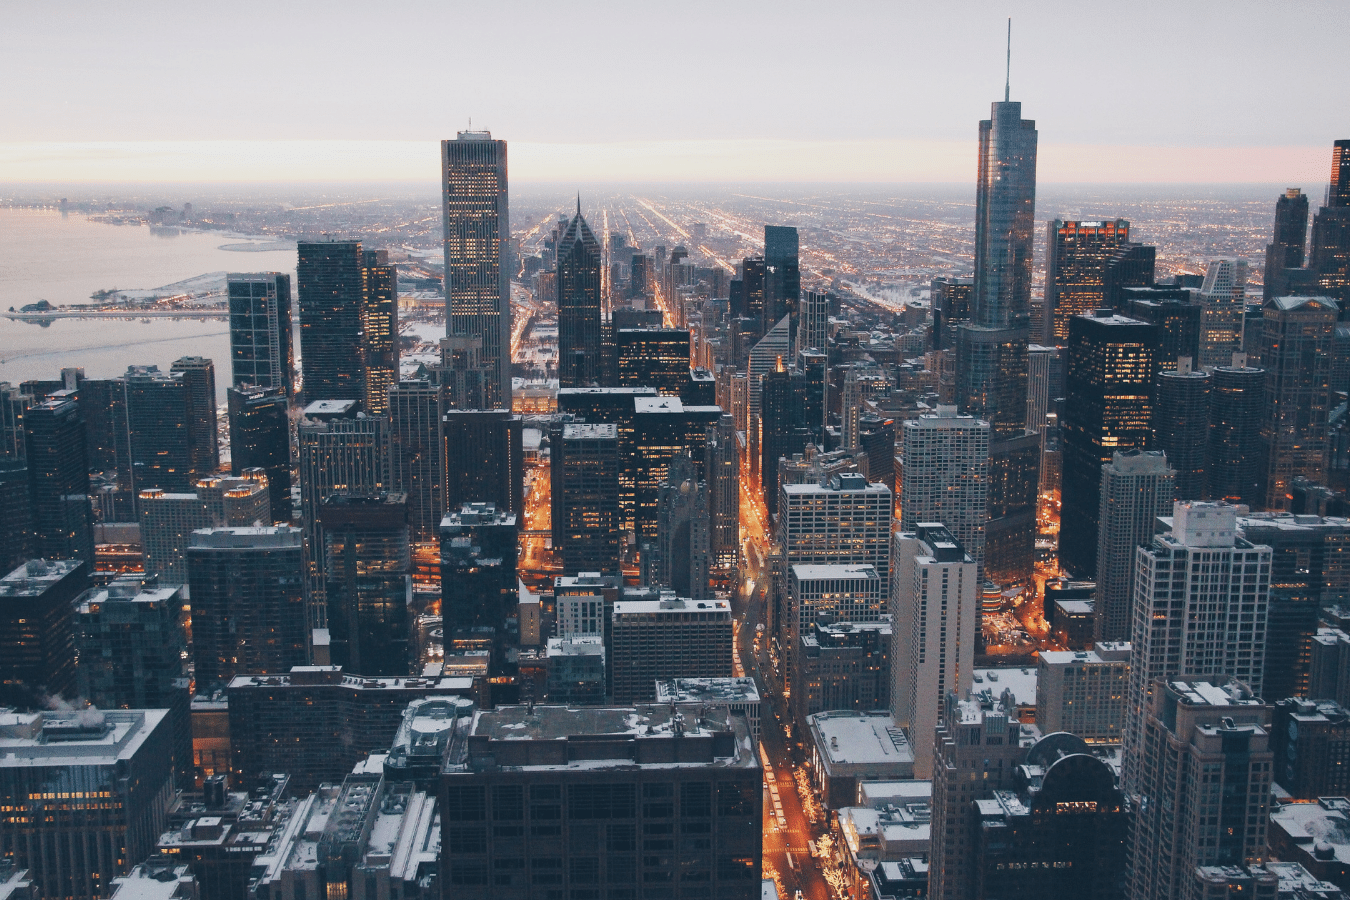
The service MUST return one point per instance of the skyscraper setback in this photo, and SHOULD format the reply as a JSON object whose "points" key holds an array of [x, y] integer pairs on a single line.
{"points": [[477, 251], [580, 361]]}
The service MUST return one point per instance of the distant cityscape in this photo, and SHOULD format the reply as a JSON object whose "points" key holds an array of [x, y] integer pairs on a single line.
{"points": [[730, 543]]}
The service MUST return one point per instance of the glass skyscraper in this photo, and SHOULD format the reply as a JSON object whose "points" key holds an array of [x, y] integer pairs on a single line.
{"points": [[260, 329], [580, 361], [477, 251], [331, 291]]}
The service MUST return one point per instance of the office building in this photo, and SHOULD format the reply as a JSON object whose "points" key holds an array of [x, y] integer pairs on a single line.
{"points": [[1223, 303], [683, 550], [1329, 665], [782, 430], [316, 722], [478, 251], [416, 454], [1188, 621], [261, 352], [842, 666], [58, 472], [813, 322], [168, 520], [37, 624], [945, 477], [248, 600], [584, 604], [330, 295], [826, 594], [484, 459], [1045, 377], [478, 566], [1310, 740], [199, 390], [1077, 254], [670, 637], [935, 620], [1112, 370], [466, 378], [260, 438], [576, 670], [94, 787], [764, 358], [1060, 833], [1083, 692], [340, 449], [978, 745], [1130, 266], [850, 748], [1298, 347], [876, 439], [1204, 785], [666, 800], [950, 300], [860, 385], [1329, 256], [16, 508], [1288, 246], [1137, 487], [1177, 318], [367, 584], [845, 521], [782, 273], [1181, 426], [662, 429], [585, 480], [1236, 469], [652, 357], [580, 361], [379, 331], [723, 468]]}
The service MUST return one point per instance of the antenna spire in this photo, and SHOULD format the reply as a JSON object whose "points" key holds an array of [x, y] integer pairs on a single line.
{"points": [[1007, 77], [578, 202]]}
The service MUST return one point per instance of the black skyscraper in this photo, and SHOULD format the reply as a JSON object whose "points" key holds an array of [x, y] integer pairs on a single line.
{"points": [[951, 309], [478, 566], [783, 432], [260, 330], [379, 331], [59, 475], [580, 361], [199, 386], [1181, 428], [260, 437], [483, 461], [1330, 256], [652, 357], [331, 291], [367, 565], [1112, 371], [753, 277], [782, 270], [1236, 409], [1132, 265], [1288, 247]]}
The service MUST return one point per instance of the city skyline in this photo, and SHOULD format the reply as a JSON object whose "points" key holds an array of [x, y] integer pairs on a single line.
{"points": [[148, 121]]}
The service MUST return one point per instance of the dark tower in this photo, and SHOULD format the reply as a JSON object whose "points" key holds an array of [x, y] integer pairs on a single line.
{"points": [[367, 567], [1112, 372], [782, 431], [782, 271], [199, 387], [1235, 463], [260, 438], [331, 291], [753, 276], [951, 309], [260, 330], [1181, 427], [1330, 256], [1288, 246], [1297, 348], [580, 361], [59, 477], [379, 331], [483, 458]]}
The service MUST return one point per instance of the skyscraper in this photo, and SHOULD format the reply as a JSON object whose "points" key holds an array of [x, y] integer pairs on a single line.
{"points": [[248, 601], [651, 357], [1137, 487], [813, 322], [683, 531], [478, 251], [260, 330], [1181, 427], [782, 273], [367, 583], [723, 469], [663, 428], [260, 438], [1112, 368], [876, 438], [1233, 453], [37, 623], [1223, 304], [945, 477], [478, 566], [950, 299], [1288, 247], [935, 617], [1075, 270], [586, 480], [1204, 785], [416, 454], [58, 472], [1329, 258], [331, 289], [781, 432], [483, 458], [860, 385], [580, 361], [668, 637], [167, 520], [1187, 621], [379, 331], [199, 388], [1298, 346]]}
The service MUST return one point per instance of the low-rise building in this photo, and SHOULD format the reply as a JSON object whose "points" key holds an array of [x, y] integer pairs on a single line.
{"points": [[893, 827], [156, 880], [1083, 692], [1311, 742], [849, 747], [576, 669], [740, 695], [1315, 835], [1297, 883]]}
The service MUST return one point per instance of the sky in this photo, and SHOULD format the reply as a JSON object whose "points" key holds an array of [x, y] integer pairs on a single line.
{"points": [[839, 91]]}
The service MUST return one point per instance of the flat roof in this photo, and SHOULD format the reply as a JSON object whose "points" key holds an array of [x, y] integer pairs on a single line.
{"points": [[817, 571], [694, 690], [1021, 680], [85, 737], [668, 605], [849, 738]]}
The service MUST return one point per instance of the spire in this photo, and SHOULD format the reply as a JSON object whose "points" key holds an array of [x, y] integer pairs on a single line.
{"points": [[1007, 77], [579, 192]]}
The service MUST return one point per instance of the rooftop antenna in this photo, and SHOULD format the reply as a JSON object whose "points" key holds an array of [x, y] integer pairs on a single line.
{"points": [[578, 202], [1007, 77]]}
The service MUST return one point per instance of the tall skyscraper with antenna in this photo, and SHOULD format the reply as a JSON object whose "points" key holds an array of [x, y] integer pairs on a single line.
{"points": [[991, 348], [478, 252], [579, 305]]}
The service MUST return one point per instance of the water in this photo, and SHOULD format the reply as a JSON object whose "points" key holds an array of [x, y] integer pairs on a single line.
{"points": [[64, 259]]}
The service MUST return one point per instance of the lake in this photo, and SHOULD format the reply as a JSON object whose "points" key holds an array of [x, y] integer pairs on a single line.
{"points": [[64, 259]]}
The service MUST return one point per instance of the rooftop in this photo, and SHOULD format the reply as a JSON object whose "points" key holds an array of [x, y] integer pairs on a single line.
{"points": [[707, 690], [1204, 693], [87, 737], [817, 572], [670, 605], [155, 881], [34, 577], [270, 536], [1321, 829], [849, 738], [1020, 680]]}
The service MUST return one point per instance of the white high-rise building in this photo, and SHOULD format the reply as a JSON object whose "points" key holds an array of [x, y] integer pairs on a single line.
{"points": [[813, 322], [1137, 487], [934, 613], [860, 385], [1200, 601], [946, 476], [475, 215], [1223, 309]]}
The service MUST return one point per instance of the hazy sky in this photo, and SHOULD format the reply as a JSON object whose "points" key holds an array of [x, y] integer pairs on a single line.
{"points": [[779, 91]]}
